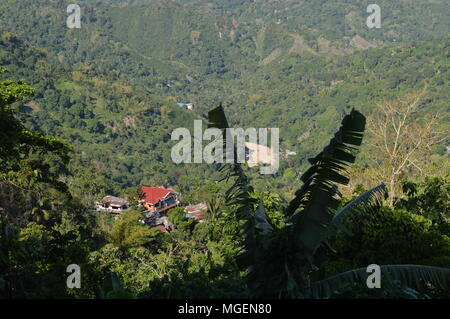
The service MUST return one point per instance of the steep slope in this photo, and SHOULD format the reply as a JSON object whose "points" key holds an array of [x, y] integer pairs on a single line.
{"points": [[296, 90], [403, 20], [297, 65]]}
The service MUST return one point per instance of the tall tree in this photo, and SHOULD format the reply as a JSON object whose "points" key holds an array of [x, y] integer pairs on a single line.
{"points": [[401, 139]]}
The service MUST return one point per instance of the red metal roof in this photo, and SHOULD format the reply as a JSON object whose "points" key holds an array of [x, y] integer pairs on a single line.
{"points": [[155, 194]]}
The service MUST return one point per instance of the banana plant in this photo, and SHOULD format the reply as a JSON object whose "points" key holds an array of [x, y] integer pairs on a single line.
{"points": [[278, 263]]}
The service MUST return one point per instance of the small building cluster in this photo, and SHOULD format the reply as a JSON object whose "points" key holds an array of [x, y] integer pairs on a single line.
{"points": [[155, 203]]}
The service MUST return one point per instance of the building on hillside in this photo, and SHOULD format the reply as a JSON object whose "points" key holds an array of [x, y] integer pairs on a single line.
{"points": [[112, 204], [158, 221], [158, 199], [290, 153], [196, 211], [189, 106]]}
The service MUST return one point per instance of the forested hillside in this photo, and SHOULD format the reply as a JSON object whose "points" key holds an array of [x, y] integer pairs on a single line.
{"points": [[262, 71], [120, 131], [106, 95]]}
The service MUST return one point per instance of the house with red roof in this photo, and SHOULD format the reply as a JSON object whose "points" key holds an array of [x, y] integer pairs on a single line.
{"points": [[158, 199]]}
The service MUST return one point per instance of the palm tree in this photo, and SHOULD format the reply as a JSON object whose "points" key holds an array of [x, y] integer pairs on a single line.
{"points": [[279, 262]]}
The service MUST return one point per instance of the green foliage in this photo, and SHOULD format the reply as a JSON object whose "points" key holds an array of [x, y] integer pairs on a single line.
{"points": [[115, 88], [392, 236], [128, 232], [178, 217], [39, 237], [16, 141], [110, 92], [279, 263], [271, 203], [431, 199]]}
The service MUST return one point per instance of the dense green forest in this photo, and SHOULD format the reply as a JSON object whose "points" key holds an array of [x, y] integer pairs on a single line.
{"points": [[89, 112]]}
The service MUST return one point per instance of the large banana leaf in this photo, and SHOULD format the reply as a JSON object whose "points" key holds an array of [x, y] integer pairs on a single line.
{"points": [[239, 193], [368, 200], [300, 199], [317, 199], [412, 276]]}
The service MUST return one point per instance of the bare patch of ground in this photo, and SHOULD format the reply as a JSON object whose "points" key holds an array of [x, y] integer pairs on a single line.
{"points": [[325, 46], [299, 45], [361, 43], [130, 121], [275, 54], [304, 136], [32, 107], [259, 154]]}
